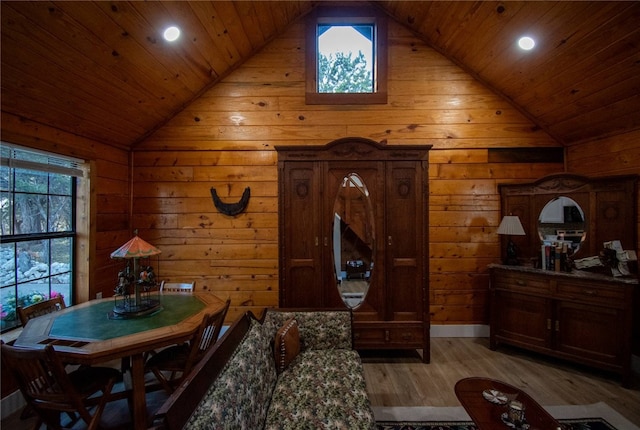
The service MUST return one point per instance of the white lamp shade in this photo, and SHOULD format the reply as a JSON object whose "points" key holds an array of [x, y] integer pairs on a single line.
{"points": [[511, 225]]}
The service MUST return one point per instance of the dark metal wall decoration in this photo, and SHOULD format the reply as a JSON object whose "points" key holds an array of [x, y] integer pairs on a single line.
{"points": [[231, 209]]}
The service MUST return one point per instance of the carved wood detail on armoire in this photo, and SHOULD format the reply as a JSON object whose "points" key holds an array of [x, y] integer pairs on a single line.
{"points": [[353, 232]]}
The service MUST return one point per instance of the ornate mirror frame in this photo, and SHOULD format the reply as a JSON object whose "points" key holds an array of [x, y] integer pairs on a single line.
{"points": [[609, 206]]}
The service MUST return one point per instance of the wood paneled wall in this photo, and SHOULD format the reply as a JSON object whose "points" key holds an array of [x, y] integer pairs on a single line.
{"points": [[619, 155], [225, 140]]}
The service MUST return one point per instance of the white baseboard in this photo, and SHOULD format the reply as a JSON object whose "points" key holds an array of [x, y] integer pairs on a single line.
{"points": [[460, 330], [11, 404]]}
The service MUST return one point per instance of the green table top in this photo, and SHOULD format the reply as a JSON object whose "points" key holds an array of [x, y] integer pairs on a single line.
{"points": [[93, 322]]}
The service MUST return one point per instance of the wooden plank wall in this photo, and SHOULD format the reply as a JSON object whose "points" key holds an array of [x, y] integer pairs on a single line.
{"points": [[619, 155], [225, 139]]}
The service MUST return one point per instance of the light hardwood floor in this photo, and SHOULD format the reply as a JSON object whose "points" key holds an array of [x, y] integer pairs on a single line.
{"points": [[401, 379]]}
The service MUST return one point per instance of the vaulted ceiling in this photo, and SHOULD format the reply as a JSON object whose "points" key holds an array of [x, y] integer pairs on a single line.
{"points": [[101, 69]]}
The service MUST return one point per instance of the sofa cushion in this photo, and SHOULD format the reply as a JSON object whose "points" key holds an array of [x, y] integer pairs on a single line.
{"points": [[241, 394], [287, 344], [321, 389]]}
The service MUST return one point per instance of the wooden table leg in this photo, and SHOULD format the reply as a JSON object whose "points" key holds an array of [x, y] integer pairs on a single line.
{"points": [[139, 399]]}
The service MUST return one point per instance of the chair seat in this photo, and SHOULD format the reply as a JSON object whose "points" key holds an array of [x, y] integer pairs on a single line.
{"points": [[172, 358], [88, 380]]}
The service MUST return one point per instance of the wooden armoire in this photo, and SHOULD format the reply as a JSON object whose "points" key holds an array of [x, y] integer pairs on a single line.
{"points": [[380, 235]]}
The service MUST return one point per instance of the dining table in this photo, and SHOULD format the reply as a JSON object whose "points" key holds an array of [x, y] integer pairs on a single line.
{"points": [[89, 334]]}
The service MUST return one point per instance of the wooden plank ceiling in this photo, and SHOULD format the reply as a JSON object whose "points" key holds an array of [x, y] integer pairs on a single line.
{"points": [[102, 70]]}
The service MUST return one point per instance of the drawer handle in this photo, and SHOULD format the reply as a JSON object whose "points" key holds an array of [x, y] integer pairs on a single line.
{"points": [[548, 323], [386, 335], [521, 282], [589, 292], [356, 335]]}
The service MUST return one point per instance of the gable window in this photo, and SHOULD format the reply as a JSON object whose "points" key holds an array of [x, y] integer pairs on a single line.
{"points": [[346, 58], [37, 226]]}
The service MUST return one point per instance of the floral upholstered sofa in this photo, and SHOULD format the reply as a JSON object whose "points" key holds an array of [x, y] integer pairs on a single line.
{"points": [[290, 370]]}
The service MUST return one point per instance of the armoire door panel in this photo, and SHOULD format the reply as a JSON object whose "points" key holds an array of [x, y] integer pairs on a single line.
{"points": [[307, 294], [303, 246], [404, 237]]}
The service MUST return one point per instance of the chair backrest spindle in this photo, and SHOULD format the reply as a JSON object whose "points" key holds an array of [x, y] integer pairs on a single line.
{"points": [[178, 287], [206, 336]]}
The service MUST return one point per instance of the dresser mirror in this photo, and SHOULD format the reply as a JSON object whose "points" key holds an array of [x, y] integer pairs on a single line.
{"points": [[562, 221], [353, 239], [585, 211]]}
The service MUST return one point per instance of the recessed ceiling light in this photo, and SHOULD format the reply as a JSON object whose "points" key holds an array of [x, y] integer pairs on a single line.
{"points": [[526, 43], [171, 34]]}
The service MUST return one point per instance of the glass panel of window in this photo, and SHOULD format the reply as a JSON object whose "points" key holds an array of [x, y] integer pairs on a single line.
{"points": [[60, 208], [345, 58], [6, 203], [7, 264], [37, 220]]}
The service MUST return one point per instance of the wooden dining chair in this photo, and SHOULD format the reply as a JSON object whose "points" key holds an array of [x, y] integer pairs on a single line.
{"points": [[44, 307], [49, 390], [178, 287], [178, 360]]}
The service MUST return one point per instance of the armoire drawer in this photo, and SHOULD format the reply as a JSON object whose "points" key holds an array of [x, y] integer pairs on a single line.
{"points": [[389, 336]]}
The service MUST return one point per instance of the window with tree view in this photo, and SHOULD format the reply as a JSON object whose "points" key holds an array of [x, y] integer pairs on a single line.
{"points": [[37, 223], [346, 57]]}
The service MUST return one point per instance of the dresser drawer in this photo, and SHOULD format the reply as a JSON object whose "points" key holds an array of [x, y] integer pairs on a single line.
{"points": [[521, 282], [388, 336], [592, 293]]}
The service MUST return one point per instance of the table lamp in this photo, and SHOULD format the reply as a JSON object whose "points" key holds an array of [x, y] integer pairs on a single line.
{"points": [[511, 226]]}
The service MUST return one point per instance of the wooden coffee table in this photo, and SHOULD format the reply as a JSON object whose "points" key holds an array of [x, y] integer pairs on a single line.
{"points": [[487, 415]]}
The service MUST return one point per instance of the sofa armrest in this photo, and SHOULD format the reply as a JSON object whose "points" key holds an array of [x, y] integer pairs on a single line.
{"points": [[319, 329]]}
